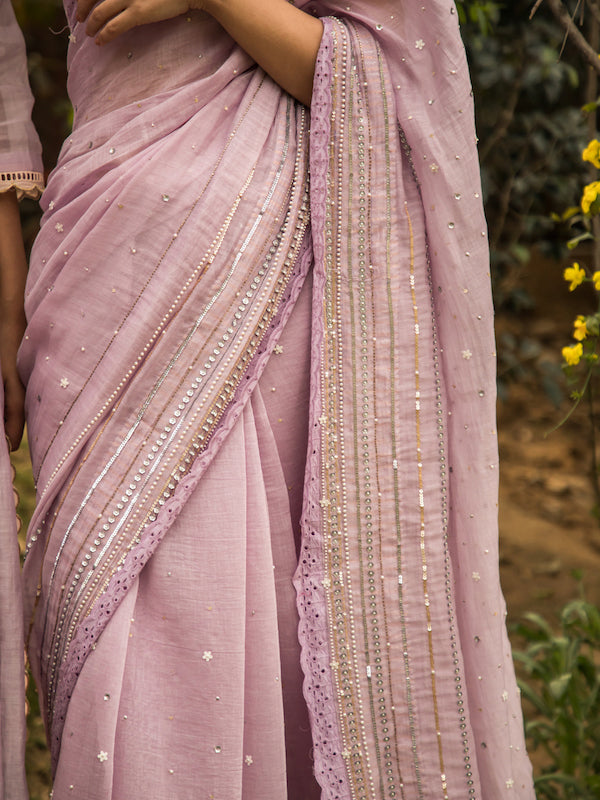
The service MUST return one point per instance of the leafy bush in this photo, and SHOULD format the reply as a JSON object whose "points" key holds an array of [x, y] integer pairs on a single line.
{"points": [[562, 684]]}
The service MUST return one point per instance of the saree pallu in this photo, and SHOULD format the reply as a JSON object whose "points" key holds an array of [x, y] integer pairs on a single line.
{"points": [[179, 230]]}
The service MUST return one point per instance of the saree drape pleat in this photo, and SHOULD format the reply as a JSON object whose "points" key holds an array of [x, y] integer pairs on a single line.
{"points": [[180, 226]]}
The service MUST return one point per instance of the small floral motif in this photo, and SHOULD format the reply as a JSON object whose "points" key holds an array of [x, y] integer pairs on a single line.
{"points": [[278, 349], [434, 168], [249, 760], [476, 576], [419, 44], [51, 205], [326, 583], [324, 503], [323, 420], [64, 382], [466, 354], [59, 227], [510, 783], [102, 756], [572, 354], [504, 696], [207, 655], [575, 275]]}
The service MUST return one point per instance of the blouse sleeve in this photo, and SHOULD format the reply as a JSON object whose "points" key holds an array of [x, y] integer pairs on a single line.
{"points": [[20, 150]]}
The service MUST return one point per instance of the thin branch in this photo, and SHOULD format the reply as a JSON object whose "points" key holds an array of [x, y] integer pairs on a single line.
{"points": [[578, 39], [538, 3], [594, 9]]}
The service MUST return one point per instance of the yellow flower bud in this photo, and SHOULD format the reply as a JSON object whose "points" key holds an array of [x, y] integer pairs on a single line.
{"points": [[592, 153], [572, 354], [575, 275], [589, 198], [596, 279], [580, 330]]}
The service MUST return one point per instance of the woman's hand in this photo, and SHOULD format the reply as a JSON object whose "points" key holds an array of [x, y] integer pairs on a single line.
{"points": [[111, 18], [13, 270]]}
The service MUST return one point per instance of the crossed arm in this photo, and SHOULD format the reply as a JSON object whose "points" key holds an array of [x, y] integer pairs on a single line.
{"points": [[281, 38]]}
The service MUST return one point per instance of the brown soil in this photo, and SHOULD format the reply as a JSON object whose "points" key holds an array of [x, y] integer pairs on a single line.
{"points": [[547, 524]]}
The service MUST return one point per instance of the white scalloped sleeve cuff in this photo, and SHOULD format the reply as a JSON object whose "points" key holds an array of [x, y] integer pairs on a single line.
{"points": [[26, 183]]}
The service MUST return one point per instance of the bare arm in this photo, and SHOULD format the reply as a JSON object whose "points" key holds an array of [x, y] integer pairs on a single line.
{"points": [[13, 271], [281, 38]]}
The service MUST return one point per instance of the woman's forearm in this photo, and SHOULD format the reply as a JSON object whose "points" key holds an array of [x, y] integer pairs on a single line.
{"points": [[13, 272], [13, 266], [280, 37]]}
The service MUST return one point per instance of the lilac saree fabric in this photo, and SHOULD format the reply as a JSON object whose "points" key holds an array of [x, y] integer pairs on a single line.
{"points": [[180, 226], [12, 687], [21, 170]]}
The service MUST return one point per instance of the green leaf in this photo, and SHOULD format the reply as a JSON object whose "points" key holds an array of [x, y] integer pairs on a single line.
{"points": [[559, 686], [573, 243]]}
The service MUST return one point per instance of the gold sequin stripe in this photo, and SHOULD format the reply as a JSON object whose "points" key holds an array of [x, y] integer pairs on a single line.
{"points": [[448, 577], [422, 543], [181, 469], [394, 451], [379, 667], [361, 448], [338, 616], [335, 499], [163, 324]]}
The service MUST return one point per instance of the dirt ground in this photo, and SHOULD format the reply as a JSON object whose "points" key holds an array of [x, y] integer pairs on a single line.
{"points": [[547, 527]]}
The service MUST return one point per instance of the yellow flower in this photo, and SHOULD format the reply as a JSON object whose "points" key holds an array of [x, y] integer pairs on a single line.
{"points": [[592, 153], [580, 330], [589, 198], [596, 279], [572, 354], [575, 275]]}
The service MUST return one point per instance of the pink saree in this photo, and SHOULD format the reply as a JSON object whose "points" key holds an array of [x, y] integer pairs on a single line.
{"points": [[220, 289], [20, 169]]}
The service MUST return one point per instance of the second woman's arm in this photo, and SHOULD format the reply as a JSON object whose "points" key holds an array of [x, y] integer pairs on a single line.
{"points": [[281, 38]]}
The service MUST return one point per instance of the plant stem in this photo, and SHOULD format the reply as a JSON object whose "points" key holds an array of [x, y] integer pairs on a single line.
{"points": [[581, 394], [594, 471], [578, 39]]}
